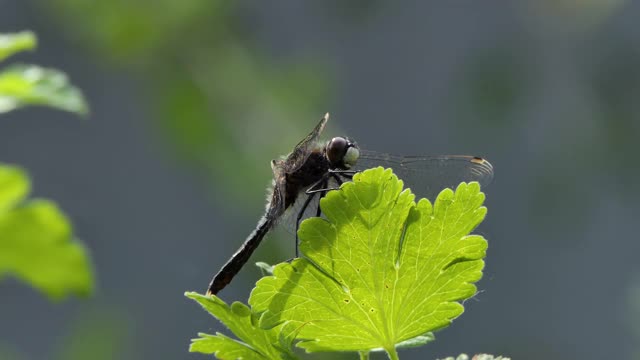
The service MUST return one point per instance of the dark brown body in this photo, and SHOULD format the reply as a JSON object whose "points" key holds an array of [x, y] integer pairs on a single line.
{"points": [[312, 170], [292, 176], [305, 171]]}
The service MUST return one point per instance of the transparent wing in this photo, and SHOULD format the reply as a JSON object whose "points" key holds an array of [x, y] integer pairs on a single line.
{"points": [[305, 147], [428, 175]]}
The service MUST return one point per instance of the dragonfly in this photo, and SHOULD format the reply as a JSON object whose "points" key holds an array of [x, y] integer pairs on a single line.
{"points": [[304, 176]]}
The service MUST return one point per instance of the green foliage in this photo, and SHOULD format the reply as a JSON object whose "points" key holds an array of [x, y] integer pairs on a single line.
{"points": [[133, 30], [258, 343], [14, 43], [36, 243], [379, 273], [22, 85]]}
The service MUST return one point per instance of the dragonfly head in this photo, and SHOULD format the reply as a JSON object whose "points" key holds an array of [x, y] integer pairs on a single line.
{"points": [[342, 153]]}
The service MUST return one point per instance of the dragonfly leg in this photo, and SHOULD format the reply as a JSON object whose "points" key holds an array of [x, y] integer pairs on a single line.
{"points": [[338, 177], [300, 214], [321, 190], [346, 172], [318, 186], [322, 194], [321, 185]]}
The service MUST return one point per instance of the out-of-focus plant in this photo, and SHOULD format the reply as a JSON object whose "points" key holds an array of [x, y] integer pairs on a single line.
{"points": [[22, 85], [98, 333], [217, 97], [380, 273], [36, 240]]}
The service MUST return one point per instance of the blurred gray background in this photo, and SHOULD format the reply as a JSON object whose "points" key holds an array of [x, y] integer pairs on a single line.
{"points": [[191, 100]]}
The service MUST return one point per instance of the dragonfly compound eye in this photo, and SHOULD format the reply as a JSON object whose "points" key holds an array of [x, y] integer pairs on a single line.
{"points": [[342, 153], [336, 150]]}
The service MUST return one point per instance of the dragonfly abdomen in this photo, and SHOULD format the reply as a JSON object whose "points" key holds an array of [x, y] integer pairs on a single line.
{"points": [[235, 263]]}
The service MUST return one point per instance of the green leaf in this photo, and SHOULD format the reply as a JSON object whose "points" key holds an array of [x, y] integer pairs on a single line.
{"points": [[14, 187], [368, 283], [36, 243], [255, 343], [13, 43], [22, 85]]}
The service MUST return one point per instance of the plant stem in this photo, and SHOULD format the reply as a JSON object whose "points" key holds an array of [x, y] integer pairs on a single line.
{"points": [[393, 354], [364, 355]]}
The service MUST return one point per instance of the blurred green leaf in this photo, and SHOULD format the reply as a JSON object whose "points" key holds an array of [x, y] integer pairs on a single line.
{"points": [[380, 271], [99, 333], [22, 85], [36, 243], [14, 187], [13, 43], [136, 31], [256, 343]]}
